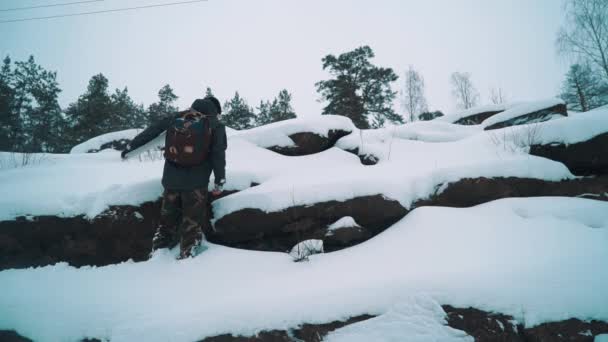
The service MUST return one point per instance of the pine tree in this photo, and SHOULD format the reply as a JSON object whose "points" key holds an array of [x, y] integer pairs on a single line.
{"points": [[359, 90], [41, 123], [284, 111], [9, 123], [91, 113], [583, 89], [277, 110], [164, 106], [264, 116], [237, 114], [125, 113]]}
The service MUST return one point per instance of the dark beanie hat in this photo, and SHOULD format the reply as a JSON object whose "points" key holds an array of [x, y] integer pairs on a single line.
{"points": [[209, 106]]}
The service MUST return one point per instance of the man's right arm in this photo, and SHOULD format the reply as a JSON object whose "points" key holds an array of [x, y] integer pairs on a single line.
{"points": [[150, 133]]}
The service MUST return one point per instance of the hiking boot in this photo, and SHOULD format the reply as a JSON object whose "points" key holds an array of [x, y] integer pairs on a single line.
{"points": [[189, 250], [163, 238]]}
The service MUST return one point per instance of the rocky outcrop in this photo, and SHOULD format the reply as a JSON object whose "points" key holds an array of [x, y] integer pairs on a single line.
{"points": [[119, 234], [366, 159], [278, 231], [309, 143], [119, 145], [125, 232], [469, 192], [583, 158], [427, 116], [536, 116], [304, 332], [484, 326], [476, 118], [568, 330], [487, 326]]}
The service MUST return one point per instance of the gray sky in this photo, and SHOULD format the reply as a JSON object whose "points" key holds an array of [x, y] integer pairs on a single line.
{"points": [[259, 47]]}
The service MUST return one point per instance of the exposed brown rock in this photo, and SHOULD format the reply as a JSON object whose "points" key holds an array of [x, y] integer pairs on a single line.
{"points": [[119, 234], [476, 119], [305, 333], [495, 327], [484, 326], [125, 232], [366, 159], [536, 116], [310, 143], [345, 237], [572, 330], [469, 192], [584, 158], [119, 145], [278, 231]]}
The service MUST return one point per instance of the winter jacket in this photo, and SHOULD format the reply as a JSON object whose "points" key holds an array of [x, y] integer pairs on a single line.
{"points": [[177, 177]]}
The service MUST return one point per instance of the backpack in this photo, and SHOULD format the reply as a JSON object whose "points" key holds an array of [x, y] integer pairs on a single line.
{"points": [[188, 139]]}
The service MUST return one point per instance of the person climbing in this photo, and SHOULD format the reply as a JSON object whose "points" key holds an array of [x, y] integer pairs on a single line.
{"points": [[195, 146]]}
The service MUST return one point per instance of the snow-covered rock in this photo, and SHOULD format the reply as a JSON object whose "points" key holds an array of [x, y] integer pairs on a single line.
{"points": [[114, 140], [297, 137], [476, 115], [580, 142], [526, 113]]}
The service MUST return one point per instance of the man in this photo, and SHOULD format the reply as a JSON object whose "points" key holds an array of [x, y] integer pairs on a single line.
{"points": [[186, 181]]}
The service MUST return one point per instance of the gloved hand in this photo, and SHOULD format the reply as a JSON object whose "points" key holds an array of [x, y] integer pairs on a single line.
{"points": [[218, 188], [123, 154]]}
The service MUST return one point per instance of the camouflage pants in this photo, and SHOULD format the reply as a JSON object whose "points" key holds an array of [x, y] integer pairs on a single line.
{"points": [[183, 214]]}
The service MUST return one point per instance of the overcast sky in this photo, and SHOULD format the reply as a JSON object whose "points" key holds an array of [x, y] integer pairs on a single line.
{"points": [[259, 47]]}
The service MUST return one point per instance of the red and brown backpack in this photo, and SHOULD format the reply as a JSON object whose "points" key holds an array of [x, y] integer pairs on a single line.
{"points": [[188, 139]]}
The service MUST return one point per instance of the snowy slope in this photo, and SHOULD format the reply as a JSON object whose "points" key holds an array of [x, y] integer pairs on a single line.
{"points": [[540, 259], [69, 185]]}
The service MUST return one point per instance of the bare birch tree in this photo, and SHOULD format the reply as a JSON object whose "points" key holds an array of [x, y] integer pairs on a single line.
{"points": [[497, 96], [463, 90], [413, 99], [585, 34]]}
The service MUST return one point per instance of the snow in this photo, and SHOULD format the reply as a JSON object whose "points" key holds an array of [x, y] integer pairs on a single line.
{"points": [[96, 142], [408, 170], [305, 249], [345, 222], [570, 130], [521, 109], [414, 318], [498, 257], [277, 134], [451, 118], [601, 338]]}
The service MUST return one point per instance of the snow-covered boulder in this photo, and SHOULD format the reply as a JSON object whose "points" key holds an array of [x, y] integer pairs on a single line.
{"points": [[580, 142], [114, 140], [526, 113], [476, 115], [297, 137], [427, 116], [343, 233]]}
